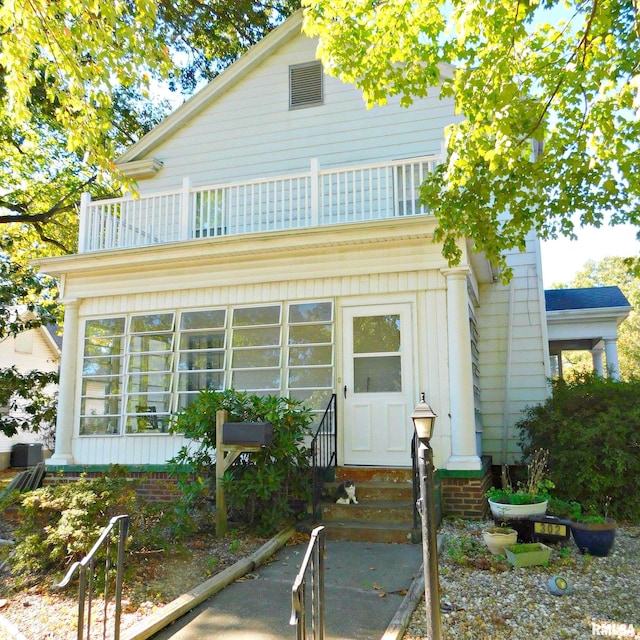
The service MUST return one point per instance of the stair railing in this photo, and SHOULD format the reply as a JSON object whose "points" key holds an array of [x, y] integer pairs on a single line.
{"points": [[324, 447], [315, 557], [87, 570]]}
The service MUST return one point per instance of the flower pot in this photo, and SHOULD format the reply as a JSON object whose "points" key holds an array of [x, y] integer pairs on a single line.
{"points": [[528, 555], [497, 540], [502, 512], [594, 538]]}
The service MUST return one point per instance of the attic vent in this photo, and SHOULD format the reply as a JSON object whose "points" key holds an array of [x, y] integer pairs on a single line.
{"points": [[305, 85]]}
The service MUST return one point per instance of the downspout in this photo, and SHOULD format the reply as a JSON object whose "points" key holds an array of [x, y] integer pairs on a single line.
{"points": [[507, 378]]}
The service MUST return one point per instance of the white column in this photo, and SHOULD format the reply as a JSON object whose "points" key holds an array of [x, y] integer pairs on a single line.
{"points": [[598, 364], [66, 389], [611, 352], [464, 454]]}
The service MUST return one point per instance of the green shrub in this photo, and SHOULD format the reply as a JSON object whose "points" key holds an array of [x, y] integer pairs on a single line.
{"points": [[591, 428], [262, 489], [60, 523]]}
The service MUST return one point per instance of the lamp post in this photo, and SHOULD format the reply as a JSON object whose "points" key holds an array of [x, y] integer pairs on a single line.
{"points": [[423, 422]]}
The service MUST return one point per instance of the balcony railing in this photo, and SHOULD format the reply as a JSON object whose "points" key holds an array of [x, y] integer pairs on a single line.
{"points": [[317, 198]]}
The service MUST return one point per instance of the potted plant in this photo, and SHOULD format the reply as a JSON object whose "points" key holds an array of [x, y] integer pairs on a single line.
{"points": [[526, 499], [499, 537], [528, 554], [594, 533]]}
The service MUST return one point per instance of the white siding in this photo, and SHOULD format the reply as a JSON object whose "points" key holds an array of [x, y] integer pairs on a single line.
{"points": [[514, 357], [250, 131]]}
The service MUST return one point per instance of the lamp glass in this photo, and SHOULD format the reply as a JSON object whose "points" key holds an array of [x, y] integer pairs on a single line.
{"points": [[423, 420]]}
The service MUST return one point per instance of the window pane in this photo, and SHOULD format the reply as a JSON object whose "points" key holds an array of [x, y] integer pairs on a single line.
{"points": [[377, 374], [101, 366], [256, 315], [201, 360], [303, 356], [315, 399], [102, 346], [201, 381], [99, 387], [149, 382], [211, 318], [202, 340], [95, 425], [149, 402], [256, 337], [256, 379], [104, 327], [310, 312], [154, 322], [250, 358], [376, 334], [97, 405], [159, 342], [140, 364], [313, 378], [147, 423], [313, 333]]}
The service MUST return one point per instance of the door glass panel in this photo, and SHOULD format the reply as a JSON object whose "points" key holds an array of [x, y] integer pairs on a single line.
{"points": [[376, 334], [377, 374]]}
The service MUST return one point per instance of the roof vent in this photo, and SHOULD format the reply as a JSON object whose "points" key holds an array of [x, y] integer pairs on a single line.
{"points": [[305, 85]]}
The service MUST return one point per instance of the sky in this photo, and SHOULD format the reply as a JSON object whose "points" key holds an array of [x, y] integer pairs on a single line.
{"points": [[563, 258]]}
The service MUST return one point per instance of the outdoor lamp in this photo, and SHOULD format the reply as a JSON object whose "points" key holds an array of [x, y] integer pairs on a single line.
{"points": [[424, 420]]}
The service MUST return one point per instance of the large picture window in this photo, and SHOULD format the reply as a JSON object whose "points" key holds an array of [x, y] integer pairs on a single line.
{"points": [[138, 370]]}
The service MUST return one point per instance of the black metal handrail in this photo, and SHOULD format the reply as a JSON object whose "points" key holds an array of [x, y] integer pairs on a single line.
{"points": [[87, 568], [315, 557], [324, 448], [415, 478]]}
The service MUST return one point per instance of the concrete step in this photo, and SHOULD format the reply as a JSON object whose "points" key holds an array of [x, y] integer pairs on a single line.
{"points": [[357, 531], [373, 511], [373, 474], [367, 491]]}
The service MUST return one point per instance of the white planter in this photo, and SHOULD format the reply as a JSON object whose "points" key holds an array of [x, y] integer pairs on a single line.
{"points": [[498, 541], [506, 512]]}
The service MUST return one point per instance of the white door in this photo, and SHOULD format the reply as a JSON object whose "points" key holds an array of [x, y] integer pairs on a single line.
{"points": [[378, 385]]}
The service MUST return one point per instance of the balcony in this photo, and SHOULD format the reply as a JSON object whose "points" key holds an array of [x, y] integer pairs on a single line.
{"points": [[317, 198]]}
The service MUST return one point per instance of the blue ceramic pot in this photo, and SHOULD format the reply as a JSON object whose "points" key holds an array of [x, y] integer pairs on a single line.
{"points": [[593, 538]]}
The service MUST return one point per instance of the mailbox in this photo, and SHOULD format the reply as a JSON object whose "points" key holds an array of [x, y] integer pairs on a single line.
{"points": [[247, 433]]}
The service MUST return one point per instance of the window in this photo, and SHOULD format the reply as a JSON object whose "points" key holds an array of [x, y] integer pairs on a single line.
{"points": [[102, 370], [305, 85], [149, 373], [138, 370], [201, 359]]}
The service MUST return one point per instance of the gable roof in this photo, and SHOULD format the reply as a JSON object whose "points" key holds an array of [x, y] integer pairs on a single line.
{"points": [[588, 298], [290, 28]]}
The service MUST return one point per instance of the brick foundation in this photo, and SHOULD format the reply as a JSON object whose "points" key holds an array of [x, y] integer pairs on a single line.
{"points": [[463, 492], [154, 486]]}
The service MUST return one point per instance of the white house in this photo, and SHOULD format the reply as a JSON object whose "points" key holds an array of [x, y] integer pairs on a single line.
{"points": [[36, 349], [277, 245]]}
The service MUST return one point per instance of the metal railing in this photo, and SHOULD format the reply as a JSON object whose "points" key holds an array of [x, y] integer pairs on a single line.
{"points": [[415, 478], [87, 573], [313, 559], [317, 198], [324, 451]]}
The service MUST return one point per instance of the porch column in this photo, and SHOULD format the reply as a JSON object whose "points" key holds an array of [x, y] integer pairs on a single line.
{"points": [[464, 454], [66, 387], [611, 352], [596, 357]]}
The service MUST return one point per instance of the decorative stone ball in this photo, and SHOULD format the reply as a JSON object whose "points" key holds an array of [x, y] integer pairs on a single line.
{"points": [[559, 586]]}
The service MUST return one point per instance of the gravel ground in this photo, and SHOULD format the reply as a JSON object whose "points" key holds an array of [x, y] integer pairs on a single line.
{"points": [[483, 598]]}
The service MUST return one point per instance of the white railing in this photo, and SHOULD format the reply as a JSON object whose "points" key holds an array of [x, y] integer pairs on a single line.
{"points": [[317, 198]]}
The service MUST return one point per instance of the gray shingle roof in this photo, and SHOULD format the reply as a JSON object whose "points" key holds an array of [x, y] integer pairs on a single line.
{"points": [[591, 298]]}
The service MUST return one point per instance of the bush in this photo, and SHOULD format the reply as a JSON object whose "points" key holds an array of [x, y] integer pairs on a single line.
{"points": [[591, 428], [59, 524], [263, 489]]}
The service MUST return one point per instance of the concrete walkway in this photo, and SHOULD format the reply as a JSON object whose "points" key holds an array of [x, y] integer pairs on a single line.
{"points": [[365, 584]]}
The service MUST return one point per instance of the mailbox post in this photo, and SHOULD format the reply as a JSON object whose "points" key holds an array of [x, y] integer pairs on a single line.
{"points": [[232, 439]]}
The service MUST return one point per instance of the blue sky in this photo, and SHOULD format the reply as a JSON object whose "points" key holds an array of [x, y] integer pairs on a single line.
{"points": [[563, 258]]}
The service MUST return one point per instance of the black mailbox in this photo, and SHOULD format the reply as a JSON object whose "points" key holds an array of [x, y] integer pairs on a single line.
{"points": [[249, 433]]}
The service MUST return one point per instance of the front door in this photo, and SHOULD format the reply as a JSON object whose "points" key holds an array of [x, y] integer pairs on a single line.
{"points": [[378, 385]]}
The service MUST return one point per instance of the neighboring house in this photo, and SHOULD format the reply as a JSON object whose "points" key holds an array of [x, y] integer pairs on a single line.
{"points": [[277, 246], [36, 349]]}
